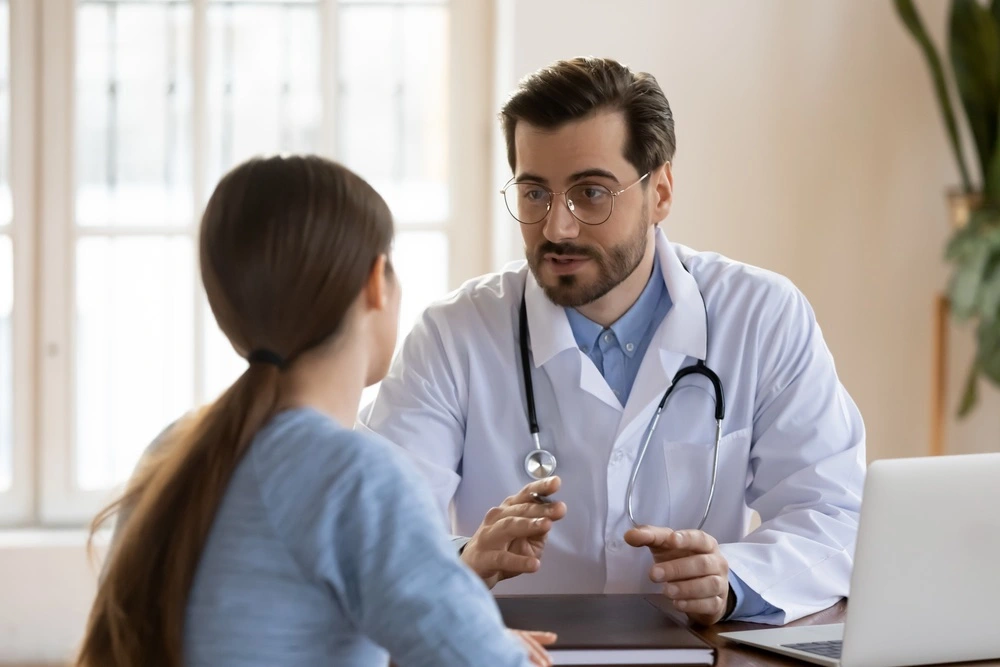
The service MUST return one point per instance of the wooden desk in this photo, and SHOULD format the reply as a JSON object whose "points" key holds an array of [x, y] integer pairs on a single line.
{"points": [[737, 655]]}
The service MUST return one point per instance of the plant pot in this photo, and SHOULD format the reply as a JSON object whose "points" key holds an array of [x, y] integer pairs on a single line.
{"points": [[960, 205]]}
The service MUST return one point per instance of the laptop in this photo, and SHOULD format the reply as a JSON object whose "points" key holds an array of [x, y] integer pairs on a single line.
{"points": [[926, 582]]}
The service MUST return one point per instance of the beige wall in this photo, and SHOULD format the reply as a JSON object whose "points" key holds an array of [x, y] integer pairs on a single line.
{"points": [[808, 143]]}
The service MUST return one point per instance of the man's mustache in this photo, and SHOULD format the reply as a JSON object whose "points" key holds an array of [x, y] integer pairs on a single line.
{"points": [[565, 249]]}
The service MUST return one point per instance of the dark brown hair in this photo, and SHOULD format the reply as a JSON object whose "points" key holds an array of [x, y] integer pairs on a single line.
{"points": [[575, 89], [287, 244]]}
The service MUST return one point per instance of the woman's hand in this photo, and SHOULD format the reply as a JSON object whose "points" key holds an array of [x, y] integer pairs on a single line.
{"points": [[536, 643]]}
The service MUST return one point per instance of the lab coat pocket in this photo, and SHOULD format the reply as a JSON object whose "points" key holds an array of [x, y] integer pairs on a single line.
{"points": [[689, 478]]}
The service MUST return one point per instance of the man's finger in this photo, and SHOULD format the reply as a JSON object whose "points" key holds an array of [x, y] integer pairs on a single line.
{"points": [[711, 608], [666, 555], [512, 527], [689, 567], [694, 589], [695, 541], [543, 487], [554, 511], [649, 536], [507, 563]]}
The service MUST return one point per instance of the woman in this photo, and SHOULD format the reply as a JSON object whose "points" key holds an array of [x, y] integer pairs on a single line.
{"points": [[263, 531]]}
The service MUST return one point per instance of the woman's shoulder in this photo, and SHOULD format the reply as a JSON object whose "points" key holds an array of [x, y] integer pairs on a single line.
{"points": [[304, 448]]}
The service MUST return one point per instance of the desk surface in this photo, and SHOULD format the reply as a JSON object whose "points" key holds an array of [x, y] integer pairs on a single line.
{"points": [[737, 655]]}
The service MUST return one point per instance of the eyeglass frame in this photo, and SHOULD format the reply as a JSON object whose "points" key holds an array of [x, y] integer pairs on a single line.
{"points": [[552, 196]]}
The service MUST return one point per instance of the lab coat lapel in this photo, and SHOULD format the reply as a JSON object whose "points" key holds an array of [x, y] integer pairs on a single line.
{"points": [[550, 335], [681, 334]]}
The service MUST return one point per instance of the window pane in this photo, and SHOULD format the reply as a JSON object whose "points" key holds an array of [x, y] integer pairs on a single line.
{"points": [[393, 109], [133, 121], [421, 262], [222, 364], [263, 81], [6, 362], [134, 349]]}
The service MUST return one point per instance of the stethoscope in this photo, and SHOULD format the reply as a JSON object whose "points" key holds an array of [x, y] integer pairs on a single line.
{"points": [[540, 463]]}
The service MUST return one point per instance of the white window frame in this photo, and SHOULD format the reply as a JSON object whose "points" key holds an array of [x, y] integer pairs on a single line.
{"points": [[60, 501], [17, 503]]}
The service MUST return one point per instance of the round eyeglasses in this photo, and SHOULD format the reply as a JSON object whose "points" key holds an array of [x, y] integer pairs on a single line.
{"points": [[590, 203]]}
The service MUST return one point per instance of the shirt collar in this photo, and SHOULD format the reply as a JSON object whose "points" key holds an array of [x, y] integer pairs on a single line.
{"points": [[630, 327], [683, 330]]}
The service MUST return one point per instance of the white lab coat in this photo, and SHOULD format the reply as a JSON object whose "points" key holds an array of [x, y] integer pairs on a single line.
{"points": [[793, 445]]}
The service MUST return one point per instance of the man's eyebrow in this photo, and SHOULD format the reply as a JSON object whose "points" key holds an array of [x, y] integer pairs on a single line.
{"points": [[591, 173], [585, 173], [535, 178]]}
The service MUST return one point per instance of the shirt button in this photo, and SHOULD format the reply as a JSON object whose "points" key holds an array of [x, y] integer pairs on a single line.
{"points": [[629, 347], [614, 545], [607, 338], [617, 457]]}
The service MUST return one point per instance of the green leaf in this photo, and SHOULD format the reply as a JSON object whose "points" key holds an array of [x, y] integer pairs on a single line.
{"points": [[989, 293], [971, 394], [965, 282], [983, 226], [974, 46], [911, 19], [991, 178], [962, 243], [988, 352]]}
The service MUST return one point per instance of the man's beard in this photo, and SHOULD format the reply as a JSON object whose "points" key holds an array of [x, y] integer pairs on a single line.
{"points": [[612, 268]]}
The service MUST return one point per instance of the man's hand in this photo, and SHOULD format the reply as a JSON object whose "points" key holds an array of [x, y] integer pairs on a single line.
{"points": [[694, 573], [511, 538]]}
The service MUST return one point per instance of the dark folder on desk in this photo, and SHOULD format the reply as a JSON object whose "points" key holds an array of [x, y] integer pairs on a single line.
{"points": [[607, 629]]}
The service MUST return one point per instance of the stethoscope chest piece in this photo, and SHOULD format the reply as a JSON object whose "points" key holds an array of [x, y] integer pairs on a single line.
{"points": [[540, 463]]}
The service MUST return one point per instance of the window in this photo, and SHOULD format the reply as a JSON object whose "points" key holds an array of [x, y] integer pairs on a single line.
{"points": [[154, 100]]}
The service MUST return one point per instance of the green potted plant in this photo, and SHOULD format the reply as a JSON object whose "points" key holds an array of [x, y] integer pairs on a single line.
{"points": [[974, 248]]}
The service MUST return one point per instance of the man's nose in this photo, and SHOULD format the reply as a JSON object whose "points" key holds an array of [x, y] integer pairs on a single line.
{"points": [[560, 224]]}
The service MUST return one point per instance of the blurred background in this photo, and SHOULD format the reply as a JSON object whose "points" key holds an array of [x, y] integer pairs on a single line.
{"points": [[809, 143]]}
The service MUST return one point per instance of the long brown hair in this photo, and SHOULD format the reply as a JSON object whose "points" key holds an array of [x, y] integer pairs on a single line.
{"points": [[570, 90], [286, 245]]}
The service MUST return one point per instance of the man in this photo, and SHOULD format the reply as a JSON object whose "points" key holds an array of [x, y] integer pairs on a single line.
{"points": [[613, 311]]}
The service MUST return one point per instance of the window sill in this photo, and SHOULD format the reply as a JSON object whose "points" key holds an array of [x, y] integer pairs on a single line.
{"points": [[39, 538]]}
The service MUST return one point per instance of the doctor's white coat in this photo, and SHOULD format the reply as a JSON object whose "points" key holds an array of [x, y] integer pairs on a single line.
{"points": [[793, 445]]}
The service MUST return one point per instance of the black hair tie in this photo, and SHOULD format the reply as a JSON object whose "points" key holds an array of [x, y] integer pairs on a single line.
{"points": [[267, 357]]}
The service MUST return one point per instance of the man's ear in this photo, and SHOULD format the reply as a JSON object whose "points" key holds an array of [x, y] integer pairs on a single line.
{"points": [[663, 191], [376, 289]]}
